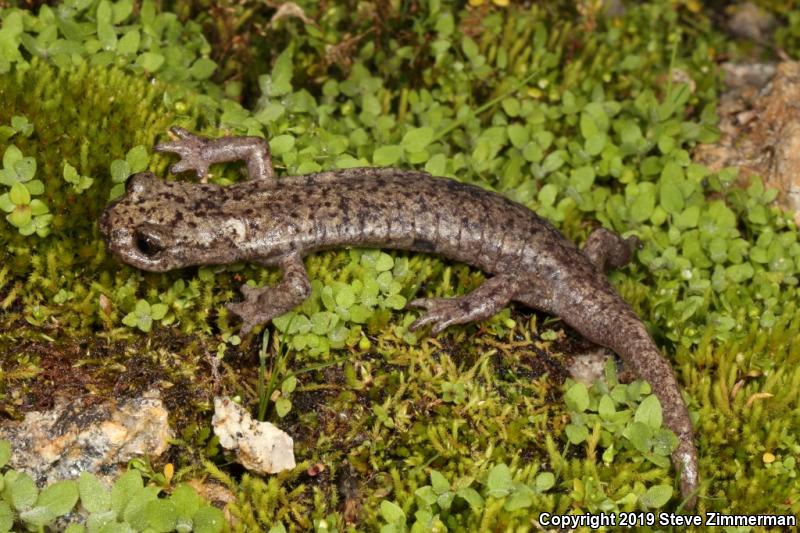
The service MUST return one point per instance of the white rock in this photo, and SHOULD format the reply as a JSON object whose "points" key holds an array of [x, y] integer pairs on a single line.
{"points": [[260, 446]]}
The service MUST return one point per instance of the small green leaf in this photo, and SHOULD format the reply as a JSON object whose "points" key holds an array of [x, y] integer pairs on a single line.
{"points": [[426, 494], [25, 168], [37, 516], [387, 155], [577, 398], [59, 498], [666, 144], [38, 207], [20, 216], [444, 24], [392, 513], [553, 161], [499, 481], [280, 80], [271, 112], [521, 498], [107, 36], [470, 48], [6, 204], [129, 43], [545, 481], [436, 165], [120, 170], [471, 496], [281, 144], [21, 490], [22, 125], [595, 143], [639, 434], [582, 178], [548, 194], [144, 323], [125, 488], [643, 203], [384, 262], [289, 384], [345, 297], [649, 412], [130, 320], [518, 135], [671, 196], [150, 61], [95, 496], [283, 406], [162, 515], [606, 408], [511, 106], [142, 308], [657, 496], [158, 311], [11, 156], [133, 513], [136, 159], [186, 500], [439, 483], [70, 173], [19, 194], [395, 301], [6, 517], [202, 69], [588, 126], [417, 139], [104, 12], [576, 434]]}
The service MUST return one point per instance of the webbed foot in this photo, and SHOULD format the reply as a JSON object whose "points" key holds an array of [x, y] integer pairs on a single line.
{"points": [[191, 149], [480, 304], [441, 313], [261, 305]]}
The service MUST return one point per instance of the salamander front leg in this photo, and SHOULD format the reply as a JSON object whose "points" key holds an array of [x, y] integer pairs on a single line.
{"points": [[198, 153], [264, 304], [480, 304]]}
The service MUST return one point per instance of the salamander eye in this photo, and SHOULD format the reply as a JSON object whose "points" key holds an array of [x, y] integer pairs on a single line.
{"points": [[148, 243]]}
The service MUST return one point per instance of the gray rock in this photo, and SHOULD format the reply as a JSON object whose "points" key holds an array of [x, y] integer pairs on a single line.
{"points": [[76, 436]]}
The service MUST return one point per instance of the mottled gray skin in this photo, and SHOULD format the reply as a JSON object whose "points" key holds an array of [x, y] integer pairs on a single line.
{"points": [[159, 225]]}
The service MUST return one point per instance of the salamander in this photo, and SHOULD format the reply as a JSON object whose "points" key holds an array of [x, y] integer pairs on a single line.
{"points": [[160, 225]]}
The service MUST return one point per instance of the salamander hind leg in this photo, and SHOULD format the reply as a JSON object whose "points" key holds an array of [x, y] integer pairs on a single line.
{"points": [[608, 250], [264, 304], [480, 304]]}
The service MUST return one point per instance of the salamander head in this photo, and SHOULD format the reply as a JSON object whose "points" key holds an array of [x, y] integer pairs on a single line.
{"points": [[158, 225]]}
